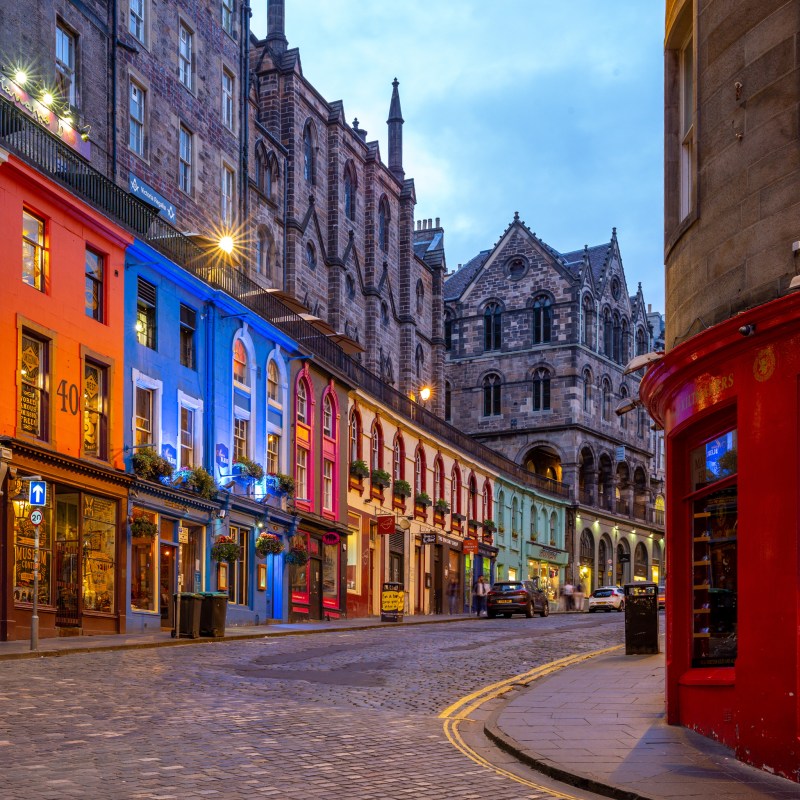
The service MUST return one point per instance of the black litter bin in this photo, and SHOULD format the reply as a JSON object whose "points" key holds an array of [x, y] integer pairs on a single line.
{"points": [[641, 618], [190, 614], [214, 611]]}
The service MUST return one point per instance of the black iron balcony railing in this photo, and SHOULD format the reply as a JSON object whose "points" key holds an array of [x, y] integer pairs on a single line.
{"points": [[33, 144], [621, 507]]}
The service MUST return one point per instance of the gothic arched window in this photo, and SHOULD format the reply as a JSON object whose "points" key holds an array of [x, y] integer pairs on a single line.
{"points": [[542, 319], [491, 396], [308, 154], [541, 390], [492, 327]]}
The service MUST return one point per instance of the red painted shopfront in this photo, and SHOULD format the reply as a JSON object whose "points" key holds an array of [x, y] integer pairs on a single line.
{"points": [[61, 369], [729, 401]]}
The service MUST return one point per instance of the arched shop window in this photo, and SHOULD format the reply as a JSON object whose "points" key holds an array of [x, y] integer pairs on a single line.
{"points": [[640, 562]]}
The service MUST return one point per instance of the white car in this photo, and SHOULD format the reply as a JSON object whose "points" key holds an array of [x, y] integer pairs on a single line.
{"points": [[607, 598]]}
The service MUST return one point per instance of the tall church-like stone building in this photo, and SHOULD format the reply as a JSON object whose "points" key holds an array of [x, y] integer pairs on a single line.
{"points": [[537, 342]]}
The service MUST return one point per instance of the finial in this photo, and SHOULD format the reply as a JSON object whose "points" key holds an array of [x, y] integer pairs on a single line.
{"points": [[516, 216]]}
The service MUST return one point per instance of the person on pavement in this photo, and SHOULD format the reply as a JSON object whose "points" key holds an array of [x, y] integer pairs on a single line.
{"points": [[480, 590]]}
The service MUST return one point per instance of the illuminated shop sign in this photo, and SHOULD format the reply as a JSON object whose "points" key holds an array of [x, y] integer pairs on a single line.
{"points": [[142, 190], [44, 116]]}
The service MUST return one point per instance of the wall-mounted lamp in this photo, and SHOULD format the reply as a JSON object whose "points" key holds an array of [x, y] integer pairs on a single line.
{"points": [[627, 404], [637, 362], [221, 514]]}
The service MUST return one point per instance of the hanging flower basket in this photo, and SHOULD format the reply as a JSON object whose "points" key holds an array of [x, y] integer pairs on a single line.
{"points": [[298, 556], [268, 544], [142, 526], [225, 549]]}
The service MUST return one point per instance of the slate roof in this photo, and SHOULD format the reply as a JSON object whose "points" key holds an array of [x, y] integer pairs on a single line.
{"points": [[598, 257], [429, 246], [454, 286]]}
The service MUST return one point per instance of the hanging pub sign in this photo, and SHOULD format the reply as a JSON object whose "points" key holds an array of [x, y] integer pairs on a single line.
{"points": [[386, 524], [331, 537], [221, 456]]}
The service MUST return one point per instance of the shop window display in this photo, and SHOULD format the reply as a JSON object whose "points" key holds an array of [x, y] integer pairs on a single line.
{"points": [[99, 553], [330, 573], [24, 550], [353, 561], [714, 552]]}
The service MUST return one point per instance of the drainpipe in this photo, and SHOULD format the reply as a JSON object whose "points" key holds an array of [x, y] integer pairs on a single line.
{"points": [[244, 135], [113, 107], [285, 214]]}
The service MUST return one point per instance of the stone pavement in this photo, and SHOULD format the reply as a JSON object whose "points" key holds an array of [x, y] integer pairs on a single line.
{"points": [[600, 725]]}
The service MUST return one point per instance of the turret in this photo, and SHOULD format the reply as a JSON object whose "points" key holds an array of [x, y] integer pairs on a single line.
{"points": [[276, 27]]}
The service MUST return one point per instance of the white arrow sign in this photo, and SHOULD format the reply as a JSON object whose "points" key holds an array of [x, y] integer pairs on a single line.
{"points": [[37, 493]]}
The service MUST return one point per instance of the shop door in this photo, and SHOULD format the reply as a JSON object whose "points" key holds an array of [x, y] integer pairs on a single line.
{"points": [[68, 613], [67, 562], [315, 589], [418, 595], [438, 589], [396, 567], [167, 582]]}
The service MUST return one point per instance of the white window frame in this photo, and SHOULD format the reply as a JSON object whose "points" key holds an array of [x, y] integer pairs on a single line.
{"points": [[227, 194], [272, 435], [186, 55], [227, 94], [226, 18], [67, 68], [686, 132], [185, 160], [138, 121], [143, 381], [327, 484], [141, 20], [194, 404]]}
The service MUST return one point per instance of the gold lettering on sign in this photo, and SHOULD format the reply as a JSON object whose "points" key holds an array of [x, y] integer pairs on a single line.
{"points": [[706, 391]]}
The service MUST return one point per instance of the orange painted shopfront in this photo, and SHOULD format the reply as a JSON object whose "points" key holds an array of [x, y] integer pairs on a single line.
{"points": [[61, 372]]}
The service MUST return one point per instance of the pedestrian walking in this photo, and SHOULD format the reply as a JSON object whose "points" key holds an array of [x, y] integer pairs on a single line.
{"points": [[569, 599], [480, 590], [579, 596], [452, 594]]}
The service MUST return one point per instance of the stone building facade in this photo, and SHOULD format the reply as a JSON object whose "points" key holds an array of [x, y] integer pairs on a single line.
{"points": [[537, 342], [223, 135]]}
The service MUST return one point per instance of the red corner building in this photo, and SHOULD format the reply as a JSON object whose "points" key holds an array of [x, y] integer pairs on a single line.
{"points": [[727, 389]]}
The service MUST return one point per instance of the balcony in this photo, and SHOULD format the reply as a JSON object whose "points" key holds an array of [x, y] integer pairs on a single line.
{"points": [[643, 512], [49, 155]]}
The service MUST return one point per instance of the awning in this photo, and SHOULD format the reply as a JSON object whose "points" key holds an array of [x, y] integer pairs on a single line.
{"points": [[292, 303]]}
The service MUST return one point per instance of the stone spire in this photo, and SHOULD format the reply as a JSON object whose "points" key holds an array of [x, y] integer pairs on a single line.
{"points": [[395, 123], [276, 27]]}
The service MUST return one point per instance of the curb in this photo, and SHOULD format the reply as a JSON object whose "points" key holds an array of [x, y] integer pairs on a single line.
{"points": [[105, 648], [508, 745]]}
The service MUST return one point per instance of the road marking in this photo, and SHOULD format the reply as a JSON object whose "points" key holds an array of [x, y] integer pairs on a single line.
{"points": [[461, 710]]}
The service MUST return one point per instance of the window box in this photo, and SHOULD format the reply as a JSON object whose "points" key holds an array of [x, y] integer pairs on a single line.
{"points": [[381, 479], [359, 469], [401, 489], [423, 500], [246, 469]]}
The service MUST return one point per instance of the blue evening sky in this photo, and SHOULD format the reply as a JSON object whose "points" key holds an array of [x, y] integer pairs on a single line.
{"points": [[552, 109]]}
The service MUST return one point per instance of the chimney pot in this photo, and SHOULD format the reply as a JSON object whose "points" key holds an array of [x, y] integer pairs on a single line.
{"points": [[430, 222], [437, 222]]}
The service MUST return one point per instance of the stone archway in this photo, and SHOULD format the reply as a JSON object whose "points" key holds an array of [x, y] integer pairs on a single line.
{"points": [[545, 461]]}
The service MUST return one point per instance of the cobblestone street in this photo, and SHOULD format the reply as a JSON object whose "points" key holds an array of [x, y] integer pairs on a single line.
{"points": [[350, 714]]}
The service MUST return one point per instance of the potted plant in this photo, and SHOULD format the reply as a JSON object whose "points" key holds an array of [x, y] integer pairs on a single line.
{"points": [[143, 525], [441, 506], [280, 483], [359, 469], [381, 479], [423, 499], [199, 481], [268, 544], [149, 465], [402, 489], [246, 468], [225, 549]]}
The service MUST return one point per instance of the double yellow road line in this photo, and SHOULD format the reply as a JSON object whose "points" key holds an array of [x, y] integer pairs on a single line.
{"points": [[462, 709]]}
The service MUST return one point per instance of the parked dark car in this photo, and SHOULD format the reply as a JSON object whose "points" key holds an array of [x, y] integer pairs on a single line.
{"points": [[516, 597]]}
